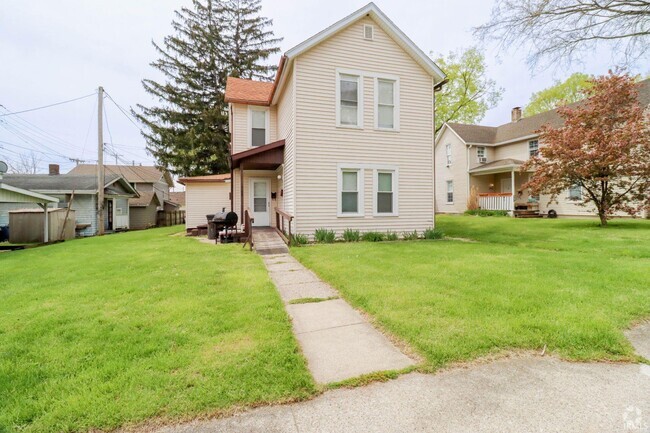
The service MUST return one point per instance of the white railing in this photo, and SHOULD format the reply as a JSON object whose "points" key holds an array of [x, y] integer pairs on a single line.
{"points": [[495, 201]]}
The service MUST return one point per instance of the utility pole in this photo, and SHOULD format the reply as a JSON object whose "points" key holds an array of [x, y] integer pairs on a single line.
{"points": [[100, 161]]}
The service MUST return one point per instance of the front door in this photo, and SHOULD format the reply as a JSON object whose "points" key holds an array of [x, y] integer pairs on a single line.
{"points": [[259, 204], [506, 185]]}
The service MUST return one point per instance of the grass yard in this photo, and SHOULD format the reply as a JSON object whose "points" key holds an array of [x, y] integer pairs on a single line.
{"points": [[103, 332], [522, 284]]}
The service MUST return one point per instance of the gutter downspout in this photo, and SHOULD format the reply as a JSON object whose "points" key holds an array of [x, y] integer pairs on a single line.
{"points": [[436, 88]]}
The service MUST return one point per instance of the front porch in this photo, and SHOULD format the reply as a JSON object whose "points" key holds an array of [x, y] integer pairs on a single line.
{"points": [[499, 187]]}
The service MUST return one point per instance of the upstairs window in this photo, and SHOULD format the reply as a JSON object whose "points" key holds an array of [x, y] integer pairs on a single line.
{"points": [[368, 32], [450, 191], [385, 192], [533, 148], [575, 192], [349, 100], [386, 93], [480, 153], [448, 152], [258, 127]]}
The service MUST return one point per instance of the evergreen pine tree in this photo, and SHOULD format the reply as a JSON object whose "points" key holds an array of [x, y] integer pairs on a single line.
{"points": [[187, 132]]}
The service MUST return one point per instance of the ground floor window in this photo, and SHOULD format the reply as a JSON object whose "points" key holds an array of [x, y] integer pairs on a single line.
{"points": [[450, 191], [349, 191], [385, 203], [575, 192]]}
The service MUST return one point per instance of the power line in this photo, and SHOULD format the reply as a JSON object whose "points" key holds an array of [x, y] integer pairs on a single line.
{"points": [[123, 112], [47, 106]]}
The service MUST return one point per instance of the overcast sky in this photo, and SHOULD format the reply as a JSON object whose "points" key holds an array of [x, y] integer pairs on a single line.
{"points": [[52, 51]]}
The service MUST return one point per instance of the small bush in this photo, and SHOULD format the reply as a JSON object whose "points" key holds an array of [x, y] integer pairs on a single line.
{"points": [[432, 233], [486, 213], [373, 236], [350, 235], [324, 236], [391, 236], [299, 239], [410, 236]]}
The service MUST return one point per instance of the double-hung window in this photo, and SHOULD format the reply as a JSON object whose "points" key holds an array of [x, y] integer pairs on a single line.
{"points": [[575, 192], [258, 127], [533, 147], [450, 191], [386, 93], [480, 153], [349, 109], [350, 192], [385, 203], [448, 152]]}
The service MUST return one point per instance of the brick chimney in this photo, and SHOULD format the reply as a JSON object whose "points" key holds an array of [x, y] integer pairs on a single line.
{"points": [[54, 169], [516, 114]]}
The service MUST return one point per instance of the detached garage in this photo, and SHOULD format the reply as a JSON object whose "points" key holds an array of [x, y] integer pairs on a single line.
{"points": [[205, 195]]}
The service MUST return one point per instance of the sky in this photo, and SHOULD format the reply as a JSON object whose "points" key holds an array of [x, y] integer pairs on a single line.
{"points": [[53, 51]]}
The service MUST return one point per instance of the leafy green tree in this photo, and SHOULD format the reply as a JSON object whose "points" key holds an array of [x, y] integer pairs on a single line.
{"points": [[187, 131], [573, 89], [469, 92]]}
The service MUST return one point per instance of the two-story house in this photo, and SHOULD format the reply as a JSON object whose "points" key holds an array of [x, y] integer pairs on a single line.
{"points": [[489, 159], [152, 185], [343, 137]]}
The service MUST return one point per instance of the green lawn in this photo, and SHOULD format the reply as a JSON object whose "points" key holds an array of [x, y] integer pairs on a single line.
{"points": [[102, 332], [522, 284]]}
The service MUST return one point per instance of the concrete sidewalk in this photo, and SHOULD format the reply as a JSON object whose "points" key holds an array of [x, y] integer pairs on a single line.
{"points": [[336, 340], [527, 394]]}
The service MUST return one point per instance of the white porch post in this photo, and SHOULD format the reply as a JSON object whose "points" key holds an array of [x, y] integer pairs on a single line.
{"points": [[512, 188]]}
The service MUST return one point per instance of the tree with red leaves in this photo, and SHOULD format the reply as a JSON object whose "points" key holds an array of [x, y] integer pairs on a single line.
{"points": [[603, 147]]}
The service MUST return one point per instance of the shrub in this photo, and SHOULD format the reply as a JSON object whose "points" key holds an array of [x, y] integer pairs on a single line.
{"points": [[391, 236], [324, 236], [299, 239], [432, 233], [410, 236], [486, 213], [373, 236], [350, 235]]}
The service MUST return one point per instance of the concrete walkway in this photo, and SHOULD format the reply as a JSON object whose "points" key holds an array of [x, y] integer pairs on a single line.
{"points": [[267, 241], [336, 340], [511, 395]]}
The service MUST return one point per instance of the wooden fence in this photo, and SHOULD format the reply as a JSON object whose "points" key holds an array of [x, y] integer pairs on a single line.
{"points": [[171, 218]]}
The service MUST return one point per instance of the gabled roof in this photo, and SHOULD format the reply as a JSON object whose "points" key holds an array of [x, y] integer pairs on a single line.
{"points": [[65, 183], [527, 126], [178, 197], [145, 199], [208, 178], [25, 195], [239, 90], [132, 173], [498, 165], [265, 93]]}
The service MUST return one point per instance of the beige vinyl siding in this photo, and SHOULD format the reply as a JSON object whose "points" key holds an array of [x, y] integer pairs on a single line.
{"points": [[286, 130], [240, 126], [204, 198], [272, 176], [517, 150], [321, 145], [456, 172]]}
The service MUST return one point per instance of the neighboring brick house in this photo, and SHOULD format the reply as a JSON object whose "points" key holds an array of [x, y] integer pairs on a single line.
{"points": [[152, 184], [489, 158]]}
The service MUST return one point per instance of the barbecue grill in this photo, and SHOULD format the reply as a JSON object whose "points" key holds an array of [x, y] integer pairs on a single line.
{"points": [[222, 221]]}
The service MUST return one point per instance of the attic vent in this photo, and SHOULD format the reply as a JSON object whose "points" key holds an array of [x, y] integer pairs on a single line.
{"points": [[368, 32]]}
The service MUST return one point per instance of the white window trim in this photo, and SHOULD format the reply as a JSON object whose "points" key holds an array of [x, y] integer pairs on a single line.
{"points": [[371, 31], [478, 156], [571, 199], [530, 155], [447, 191], [360, 187], [359, 76], [448, 155], [396, 107], [375, 189], [267, 124]]}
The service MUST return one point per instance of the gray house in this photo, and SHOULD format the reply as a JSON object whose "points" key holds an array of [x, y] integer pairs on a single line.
{"points": [[80, 192], [152, 185]]}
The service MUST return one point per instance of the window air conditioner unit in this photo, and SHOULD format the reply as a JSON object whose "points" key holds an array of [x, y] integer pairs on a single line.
{"points": [[482, 160]]}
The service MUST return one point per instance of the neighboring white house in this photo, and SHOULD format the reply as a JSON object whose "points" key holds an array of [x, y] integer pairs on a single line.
{"points": [[205, 195], [490, 158], [343, 138]]}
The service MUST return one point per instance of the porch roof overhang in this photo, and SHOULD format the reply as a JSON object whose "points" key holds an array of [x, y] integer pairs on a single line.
{"points": [[498, 166], [267, 157]]}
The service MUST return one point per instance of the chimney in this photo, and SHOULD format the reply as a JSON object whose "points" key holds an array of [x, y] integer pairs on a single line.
{"points": [[54, 169], [516, 114]]}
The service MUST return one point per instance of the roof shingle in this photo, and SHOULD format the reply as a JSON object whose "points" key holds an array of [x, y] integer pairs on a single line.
{"points": [[251, 92]]}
